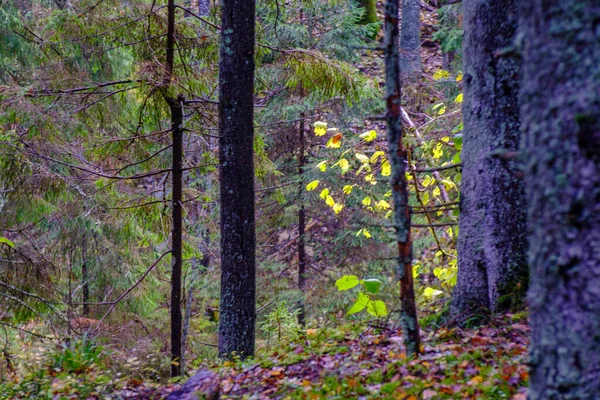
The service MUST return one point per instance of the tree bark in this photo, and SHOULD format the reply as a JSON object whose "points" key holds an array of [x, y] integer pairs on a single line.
{"points": [[236, 119], [85, 279], [176, 107], [492, 244], [560, 109], [370, 15], [301, 229], [410, 38], [398, 161]]}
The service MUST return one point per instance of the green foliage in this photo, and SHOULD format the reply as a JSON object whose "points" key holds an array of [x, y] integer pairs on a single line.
{"points": [[376, 308], [280, 324]]}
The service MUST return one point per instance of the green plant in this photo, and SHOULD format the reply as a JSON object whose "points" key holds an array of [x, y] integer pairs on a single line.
{"points": [[281, 323], [376, 308], [78, 356]]}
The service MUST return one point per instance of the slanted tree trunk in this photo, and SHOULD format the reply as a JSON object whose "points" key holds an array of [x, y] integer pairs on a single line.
{"points": [[236, 119], [560, 110], [398, 160], [410, 38], [492, 243]]}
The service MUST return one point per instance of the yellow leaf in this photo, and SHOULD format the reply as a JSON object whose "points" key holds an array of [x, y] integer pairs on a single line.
{"points": [[366, 233], [368, 136], [386, 168], [322, 166], [343, 164], [367, 201], [459, 99], [376, 155], [337, 208], [371, 179], [312, 185], [329, 201], [347, 189], [362, 158], [476, 380], [324, 193], [442, 111], [436, 192], [320, 128], [459, 77], [384, 205], [441, 74]]}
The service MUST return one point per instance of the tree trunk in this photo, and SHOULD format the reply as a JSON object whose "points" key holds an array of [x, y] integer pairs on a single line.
{"points": [[398, 161], [176, 107], [85, 279], [236, 119], [560, 109], [492, 244], [410, 38], [370, 15], [301, 230]]}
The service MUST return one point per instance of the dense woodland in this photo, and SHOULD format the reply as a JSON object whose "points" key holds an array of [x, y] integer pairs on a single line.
{"points": [[299, 199]]}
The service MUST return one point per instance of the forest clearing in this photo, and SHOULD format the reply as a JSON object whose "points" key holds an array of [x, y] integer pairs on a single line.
{"points": [[300, 199]]}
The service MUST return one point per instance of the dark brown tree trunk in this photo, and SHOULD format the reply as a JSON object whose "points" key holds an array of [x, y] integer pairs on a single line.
{"points": [[85, 279], [176, 108], [301, 230], [398, 160], [492, 244], [236, 123], [560, 110], [410, 38]]}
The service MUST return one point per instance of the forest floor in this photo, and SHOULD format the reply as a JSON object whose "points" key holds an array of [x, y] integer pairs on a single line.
{"points": [[349, 362]]}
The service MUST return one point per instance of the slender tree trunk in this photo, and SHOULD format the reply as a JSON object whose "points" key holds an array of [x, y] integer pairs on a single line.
{"points": [[398, 160], [410, 38], [85, 279], [176, 108], [560, 109], [301, 229], [236, 119], [492, 244]]}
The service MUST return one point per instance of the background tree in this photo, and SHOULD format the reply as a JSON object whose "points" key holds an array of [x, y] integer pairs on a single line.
{"points": [[236, 151], [560, 109], [410, 38], [492, 264]]}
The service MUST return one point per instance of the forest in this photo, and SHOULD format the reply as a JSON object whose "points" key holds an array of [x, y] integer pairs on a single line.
{"points": [[300, 199]]}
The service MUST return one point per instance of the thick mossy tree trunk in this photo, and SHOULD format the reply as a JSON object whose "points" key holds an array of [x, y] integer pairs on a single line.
{"points": [[492, 244], [560, 111], [370, 14], [236, 123], [410, 38], [398, 157]]}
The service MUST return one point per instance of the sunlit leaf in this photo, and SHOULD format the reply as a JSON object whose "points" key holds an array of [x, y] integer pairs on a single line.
{"points": [[7, 242], [320, 128], [360, 304], [430, 292], [459, 99], [324, 193], [322, 166], [362, 158], [377, 308], [386, 168], [366, 201], [347, 189], [312, 185], [329, 201], [347, 282], [337, 208], [368, 136]]}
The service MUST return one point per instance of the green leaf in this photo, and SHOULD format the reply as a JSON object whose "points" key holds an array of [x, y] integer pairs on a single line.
{"points": [[368, 136], [7, 242], [360, 304], [372, 285], [347, 282], [377, 308]]}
